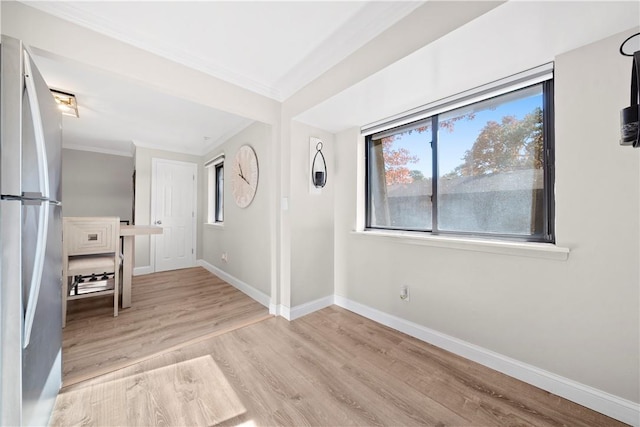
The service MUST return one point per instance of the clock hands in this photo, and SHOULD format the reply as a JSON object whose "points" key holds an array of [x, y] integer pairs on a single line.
{"points": [[241, 175]]}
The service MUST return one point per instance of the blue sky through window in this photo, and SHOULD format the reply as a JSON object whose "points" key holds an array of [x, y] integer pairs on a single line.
{"points": [[453, 145]]}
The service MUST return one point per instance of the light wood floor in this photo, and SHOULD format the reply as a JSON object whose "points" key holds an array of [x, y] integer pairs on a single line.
{"points": [[168, 309], [330, 368]]}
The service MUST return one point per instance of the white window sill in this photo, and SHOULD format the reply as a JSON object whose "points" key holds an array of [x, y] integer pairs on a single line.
{"points": [[502, 247], [214, 224]]}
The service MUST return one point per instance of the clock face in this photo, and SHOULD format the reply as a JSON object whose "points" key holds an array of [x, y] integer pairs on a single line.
{"points": [[244, 179]]}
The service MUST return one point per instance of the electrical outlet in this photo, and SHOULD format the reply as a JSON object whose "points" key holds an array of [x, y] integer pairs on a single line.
{"points": [[224, 257], [404, 293]]}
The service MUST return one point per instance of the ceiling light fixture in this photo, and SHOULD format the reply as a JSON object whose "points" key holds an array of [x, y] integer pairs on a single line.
{"points": [[66, 102]]}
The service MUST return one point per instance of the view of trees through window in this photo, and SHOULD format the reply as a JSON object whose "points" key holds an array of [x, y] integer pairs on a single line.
{"points": [[489, 173]]}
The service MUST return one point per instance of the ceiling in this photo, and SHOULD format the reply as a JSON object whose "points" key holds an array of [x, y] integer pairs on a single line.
{"points": [[115, 113], [274, 49], [270, 48], [509, 39]]}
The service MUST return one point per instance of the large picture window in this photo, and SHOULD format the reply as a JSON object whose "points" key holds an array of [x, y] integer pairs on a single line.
{"points": [[483, 169]]}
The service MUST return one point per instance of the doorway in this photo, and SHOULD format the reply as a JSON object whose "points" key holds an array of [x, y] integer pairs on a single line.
{"points": [[173, 207]]}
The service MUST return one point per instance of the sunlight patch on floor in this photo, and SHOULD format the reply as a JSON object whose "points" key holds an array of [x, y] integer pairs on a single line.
{"points": [[192, 392]]}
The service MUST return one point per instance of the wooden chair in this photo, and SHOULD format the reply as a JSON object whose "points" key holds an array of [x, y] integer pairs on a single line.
{"points": [[91, 254]]}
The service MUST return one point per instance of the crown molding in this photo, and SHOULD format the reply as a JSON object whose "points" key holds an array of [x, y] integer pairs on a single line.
{"points": [[136, 143], [205, 149], [79, 147], [374, 18], [227, 136], [109, 28], [160, 147]]}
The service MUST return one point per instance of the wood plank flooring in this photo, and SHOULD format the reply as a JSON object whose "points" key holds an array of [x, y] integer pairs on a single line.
{"points": [[329, 368], [168, 310]]}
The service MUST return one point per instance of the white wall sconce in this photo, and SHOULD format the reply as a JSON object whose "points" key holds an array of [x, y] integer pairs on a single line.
{"points": [[318, 163]]}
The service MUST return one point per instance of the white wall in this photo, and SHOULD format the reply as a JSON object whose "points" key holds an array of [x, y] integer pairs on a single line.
{"points": [[245, 235], [311, 220], [577, 318], [96, 184], [295, 230], [598, 217]]}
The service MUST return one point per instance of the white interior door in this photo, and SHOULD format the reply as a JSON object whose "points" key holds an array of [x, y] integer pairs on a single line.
{"points": [[173, 207]]}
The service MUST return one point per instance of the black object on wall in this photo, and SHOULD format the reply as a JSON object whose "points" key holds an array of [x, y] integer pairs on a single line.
{"points": [[319, 171], [629, 117]]}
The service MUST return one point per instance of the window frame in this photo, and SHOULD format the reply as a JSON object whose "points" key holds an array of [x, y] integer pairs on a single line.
{"points": [[219, 193], [215, 191], [548, 171]]}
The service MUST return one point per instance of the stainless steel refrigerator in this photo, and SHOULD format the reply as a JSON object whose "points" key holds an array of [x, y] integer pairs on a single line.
{"points": [[30, 241]]}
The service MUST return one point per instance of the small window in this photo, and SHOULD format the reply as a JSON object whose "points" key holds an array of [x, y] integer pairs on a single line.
{"points": [[215, 179], [483, 169], [219, 208]]}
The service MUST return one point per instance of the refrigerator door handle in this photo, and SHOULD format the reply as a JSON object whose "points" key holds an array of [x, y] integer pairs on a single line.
{"points": [[43, 218]]}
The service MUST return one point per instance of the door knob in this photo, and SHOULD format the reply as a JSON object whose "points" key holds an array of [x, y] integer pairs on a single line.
{"points": [[158, 222]]}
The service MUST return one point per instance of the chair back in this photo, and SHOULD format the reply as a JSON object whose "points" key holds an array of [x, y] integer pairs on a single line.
{"points": [[91, 247], [91, 235]]}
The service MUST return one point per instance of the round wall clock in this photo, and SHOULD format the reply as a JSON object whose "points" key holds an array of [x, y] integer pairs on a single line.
{"points": [[244, 178]]}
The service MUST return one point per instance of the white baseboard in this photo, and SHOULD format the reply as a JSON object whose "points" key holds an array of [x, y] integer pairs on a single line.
{"points": [[139, 271], [303, 309], [605, 403], [608, 404], [274, 309], [252, 292]]}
